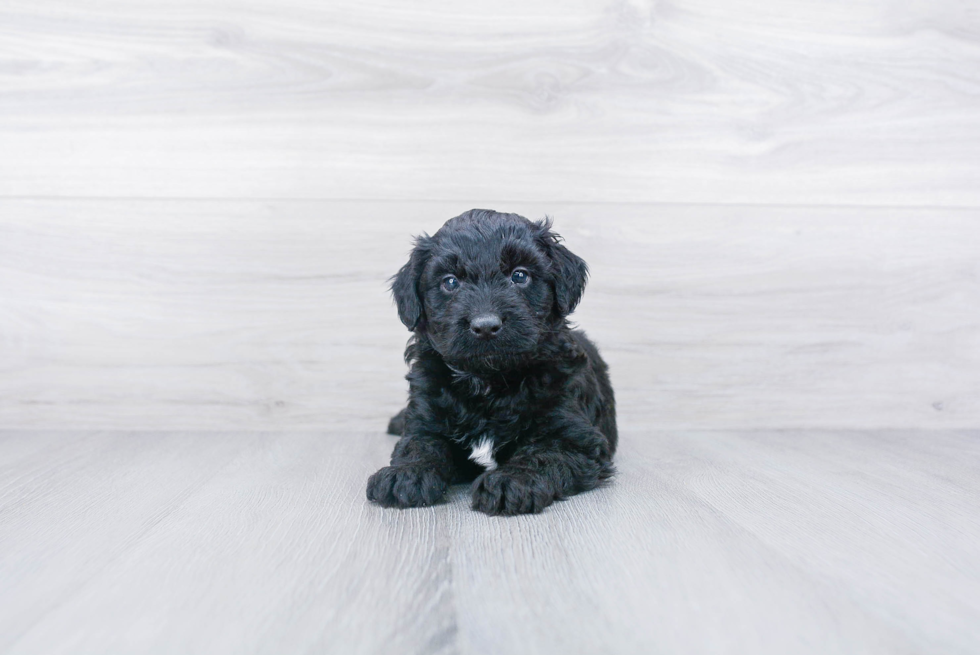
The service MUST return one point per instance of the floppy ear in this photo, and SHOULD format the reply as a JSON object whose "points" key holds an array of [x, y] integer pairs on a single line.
{"points": [[568, 270], [405, 285]]}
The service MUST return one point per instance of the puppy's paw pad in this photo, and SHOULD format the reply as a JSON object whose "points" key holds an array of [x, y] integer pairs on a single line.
{"points": [[406, 486], [511, 492]]}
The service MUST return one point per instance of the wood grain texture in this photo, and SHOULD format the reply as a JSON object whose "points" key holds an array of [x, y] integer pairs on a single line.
{"points": [[214, 543], [271, 315], [739, 542], [706, 542], [869, 102]]}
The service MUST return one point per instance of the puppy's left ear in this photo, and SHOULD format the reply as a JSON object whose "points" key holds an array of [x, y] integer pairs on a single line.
{"points": [[405, 285], [568, 270]]}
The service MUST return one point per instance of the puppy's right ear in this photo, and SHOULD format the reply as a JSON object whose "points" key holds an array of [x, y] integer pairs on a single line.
{"points": [[405, 285]]}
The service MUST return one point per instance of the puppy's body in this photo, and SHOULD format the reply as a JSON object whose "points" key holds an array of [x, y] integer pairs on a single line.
{"points": [[500, 389]]}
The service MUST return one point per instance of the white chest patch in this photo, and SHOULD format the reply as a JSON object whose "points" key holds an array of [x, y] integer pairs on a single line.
{"points": [[483, 454]]}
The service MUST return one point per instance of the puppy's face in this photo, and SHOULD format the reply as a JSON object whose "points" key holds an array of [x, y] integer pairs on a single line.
{"points": [[487, 287]]}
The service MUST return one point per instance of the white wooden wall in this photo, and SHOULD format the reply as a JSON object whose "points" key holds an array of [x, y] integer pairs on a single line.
{"points": [[200, 201], [840, 102]]}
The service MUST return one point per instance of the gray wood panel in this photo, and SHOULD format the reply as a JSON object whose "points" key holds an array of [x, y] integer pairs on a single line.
{"points": [[706, 542], [270, 315], [800, 101], [214, 543]]}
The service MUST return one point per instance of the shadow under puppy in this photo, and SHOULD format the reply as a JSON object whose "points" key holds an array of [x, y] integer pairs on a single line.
{"points": [[501, 391]]}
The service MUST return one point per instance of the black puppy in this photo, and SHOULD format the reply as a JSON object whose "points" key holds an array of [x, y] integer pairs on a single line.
{"points": [[500, 388]]}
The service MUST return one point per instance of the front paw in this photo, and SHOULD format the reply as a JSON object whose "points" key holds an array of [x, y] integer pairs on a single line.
{"points": [[511, 492], [406, 486]]}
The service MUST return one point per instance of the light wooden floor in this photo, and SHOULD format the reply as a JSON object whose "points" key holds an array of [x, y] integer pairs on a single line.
{"points": [[802, 541], [200, 204]]}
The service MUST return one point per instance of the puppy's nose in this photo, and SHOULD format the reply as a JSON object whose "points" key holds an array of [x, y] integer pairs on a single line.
{"points": [[486, 326]]}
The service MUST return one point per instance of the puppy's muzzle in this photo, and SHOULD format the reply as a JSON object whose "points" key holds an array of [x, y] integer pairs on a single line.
{"points": [[486, 326]]}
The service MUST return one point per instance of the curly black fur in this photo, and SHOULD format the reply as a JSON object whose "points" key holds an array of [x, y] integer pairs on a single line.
{"points": [[496, 374]]}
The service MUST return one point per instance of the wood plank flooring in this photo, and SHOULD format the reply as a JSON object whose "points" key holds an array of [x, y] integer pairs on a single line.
{"points": [[706, 542]]}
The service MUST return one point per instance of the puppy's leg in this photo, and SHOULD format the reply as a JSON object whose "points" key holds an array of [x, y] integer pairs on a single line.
{"points": [[421, 469], [544, 470], [396, 425]]}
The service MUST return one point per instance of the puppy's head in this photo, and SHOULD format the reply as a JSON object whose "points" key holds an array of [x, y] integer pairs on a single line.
{"points": [[488, 287]]}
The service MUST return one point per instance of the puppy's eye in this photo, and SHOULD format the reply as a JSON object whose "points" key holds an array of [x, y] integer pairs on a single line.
{"points": [[520, 276], [449, 283]]}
